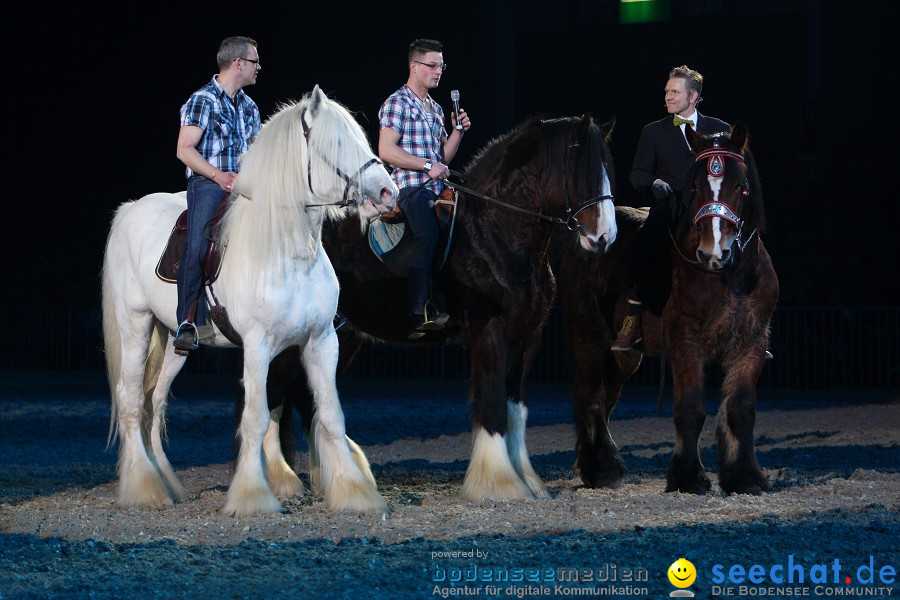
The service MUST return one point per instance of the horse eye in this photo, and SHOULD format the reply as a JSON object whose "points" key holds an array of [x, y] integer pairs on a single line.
{"points": [[699, 227]]}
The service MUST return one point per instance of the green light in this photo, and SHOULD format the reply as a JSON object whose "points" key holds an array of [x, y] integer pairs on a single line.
{"points": [[643, 11]]}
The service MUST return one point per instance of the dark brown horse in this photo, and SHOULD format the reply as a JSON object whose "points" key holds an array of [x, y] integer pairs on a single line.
{"points": [[724, 291], [545, 175]]}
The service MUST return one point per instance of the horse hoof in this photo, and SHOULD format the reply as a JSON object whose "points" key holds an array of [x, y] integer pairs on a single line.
{"points": [[251, 503]]}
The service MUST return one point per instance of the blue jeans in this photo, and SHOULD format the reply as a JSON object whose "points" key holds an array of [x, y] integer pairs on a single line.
{"points": [[418, 206], [203, 198]]}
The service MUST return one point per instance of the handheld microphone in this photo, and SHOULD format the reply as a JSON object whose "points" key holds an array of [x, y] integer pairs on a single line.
{"points": [[454, 95]]}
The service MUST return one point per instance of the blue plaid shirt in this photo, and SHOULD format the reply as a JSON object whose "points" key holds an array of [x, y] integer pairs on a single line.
{"points": [[229, 126], [421, 132]]}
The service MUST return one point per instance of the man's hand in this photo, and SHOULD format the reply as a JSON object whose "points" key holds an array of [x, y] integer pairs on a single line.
{"points": [[439, 171], [661, 189], [463, 119]]}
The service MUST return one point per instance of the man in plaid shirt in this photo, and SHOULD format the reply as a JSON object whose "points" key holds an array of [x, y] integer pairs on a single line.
{"points": [[413, 139], [218, 123]]}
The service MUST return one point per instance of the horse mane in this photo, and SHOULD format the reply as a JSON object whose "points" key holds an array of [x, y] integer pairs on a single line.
{"points": [[268, 222], [551, 141]]}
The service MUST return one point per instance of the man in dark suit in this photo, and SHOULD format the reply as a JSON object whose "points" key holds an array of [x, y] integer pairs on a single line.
{"points": [[661, 161]]}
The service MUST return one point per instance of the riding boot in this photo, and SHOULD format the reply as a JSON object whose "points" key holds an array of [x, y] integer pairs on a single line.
{"points": [[630, 334]]}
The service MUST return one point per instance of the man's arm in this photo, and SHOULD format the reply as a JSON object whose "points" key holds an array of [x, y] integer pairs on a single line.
{"points": [[643, 169], [188, 138], [391, 153]]}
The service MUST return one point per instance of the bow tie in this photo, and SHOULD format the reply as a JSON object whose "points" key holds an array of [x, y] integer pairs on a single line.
{"points": [[678, 121]]}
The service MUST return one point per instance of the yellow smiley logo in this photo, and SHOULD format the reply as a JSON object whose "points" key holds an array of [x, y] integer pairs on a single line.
{"points": [[682, 573]]}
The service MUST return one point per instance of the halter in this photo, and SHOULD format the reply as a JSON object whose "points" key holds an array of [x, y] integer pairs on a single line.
{"points": [[350, 181], [715, 167]]}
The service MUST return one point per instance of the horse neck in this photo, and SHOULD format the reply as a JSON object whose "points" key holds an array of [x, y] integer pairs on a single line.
{"points": [[499, 229], [265, 236]]}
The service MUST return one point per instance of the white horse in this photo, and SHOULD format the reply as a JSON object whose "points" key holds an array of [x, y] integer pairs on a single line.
{"points": [[279, 289]]}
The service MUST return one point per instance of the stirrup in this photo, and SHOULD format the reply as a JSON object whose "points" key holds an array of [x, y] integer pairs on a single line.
{"points": [[182, 344], [440, 318]]}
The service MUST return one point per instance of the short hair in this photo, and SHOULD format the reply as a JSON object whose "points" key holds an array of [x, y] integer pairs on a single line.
{"points": [[693, 79], [420, 47], [231, 48]]}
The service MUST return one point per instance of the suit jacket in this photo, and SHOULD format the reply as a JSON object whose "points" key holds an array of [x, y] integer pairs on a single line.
{"points": [[663, 153]]}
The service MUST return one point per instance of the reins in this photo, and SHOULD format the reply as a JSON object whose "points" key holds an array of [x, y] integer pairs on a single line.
{"points": [[570, 222]]}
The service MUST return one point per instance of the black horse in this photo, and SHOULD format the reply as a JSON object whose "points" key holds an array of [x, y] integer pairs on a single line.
{"points": [[724, 291], [522, 186]]}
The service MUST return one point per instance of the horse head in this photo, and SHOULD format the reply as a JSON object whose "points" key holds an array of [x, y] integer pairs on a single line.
{"points": [[723, 198], [340, 160], [587, 182]]}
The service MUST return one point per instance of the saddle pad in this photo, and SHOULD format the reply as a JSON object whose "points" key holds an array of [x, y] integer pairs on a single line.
{"points": [[383, 237]]}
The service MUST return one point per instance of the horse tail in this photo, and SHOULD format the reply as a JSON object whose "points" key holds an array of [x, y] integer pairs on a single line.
{"points": [[112, 343]]}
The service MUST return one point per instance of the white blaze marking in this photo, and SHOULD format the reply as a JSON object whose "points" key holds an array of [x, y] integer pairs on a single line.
{"points": [[715, 184]]}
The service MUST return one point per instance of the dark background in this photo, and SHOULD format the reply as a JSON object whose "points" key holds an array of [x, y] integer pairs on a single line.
{"points": [[92, 96]]}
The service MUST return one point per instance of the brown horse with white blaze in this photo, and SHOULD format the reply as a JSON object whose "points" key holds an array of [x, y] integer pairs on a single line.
{"points": [[724, 291]]}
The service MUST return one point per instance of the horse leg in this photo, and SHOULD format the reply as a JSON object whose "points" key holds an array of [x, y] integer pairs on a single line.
{"points": [[490, 474], [161, 368], [278, 445], [686, 472], [140, 482], [739, 473], [249, 492], [346, 486], [517, 417], [595, 392]]}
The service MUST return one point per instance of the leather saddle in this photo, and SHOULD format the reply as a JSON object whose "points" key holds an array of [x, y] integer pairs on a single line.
{"points": [[391, 240], [169, 261]]}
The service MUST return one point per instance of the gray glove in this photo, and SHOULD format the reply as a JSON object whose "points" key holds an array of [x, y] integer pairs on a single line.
{"points": [[661, 189]]}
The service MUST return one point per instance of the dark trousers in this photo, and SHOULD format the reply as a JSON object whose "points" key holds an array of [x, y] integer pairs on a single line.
{"points": [[418, 207], [650, 262], [203, 198]]}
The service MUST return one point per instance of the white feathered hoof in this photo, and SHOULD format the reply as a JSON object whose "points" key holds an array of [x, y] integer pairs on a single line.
{"points": [[251, 502], [284, 482], [536, 486], [359, 457], [143, 489], [491, 475], [354, 494]]}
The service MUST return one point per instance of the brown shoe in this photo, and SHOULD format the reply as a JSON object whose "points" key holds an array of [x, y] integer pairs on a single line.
{"points": [[629, 335]]}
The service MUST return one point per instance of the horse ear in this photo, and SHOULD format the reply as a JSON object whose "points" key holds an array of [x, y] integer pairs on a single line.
{"points": [[585, 123], [317, 96], [694, 139], [740, 136], [607, 128]]}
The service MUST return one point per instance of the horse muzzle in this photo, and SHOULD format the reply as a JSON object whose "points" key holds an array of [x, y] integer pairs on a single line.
{"points": [[713, 262]]}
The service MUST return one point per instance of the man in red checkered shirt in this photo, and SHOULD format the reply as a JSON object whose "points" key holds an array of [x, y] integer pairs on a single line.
{"points": [[413, 139]]}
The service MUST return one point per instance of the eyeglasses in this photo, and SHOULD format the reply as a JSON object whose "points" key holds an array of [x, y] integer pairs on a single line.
{"points": [[433, 66], [255, 62]]}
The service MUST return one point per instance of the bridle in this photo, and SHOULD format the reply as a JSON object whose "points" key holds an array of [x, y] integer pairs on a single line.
{"points": [[715, 167], [351, 182], [569, 220]]}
